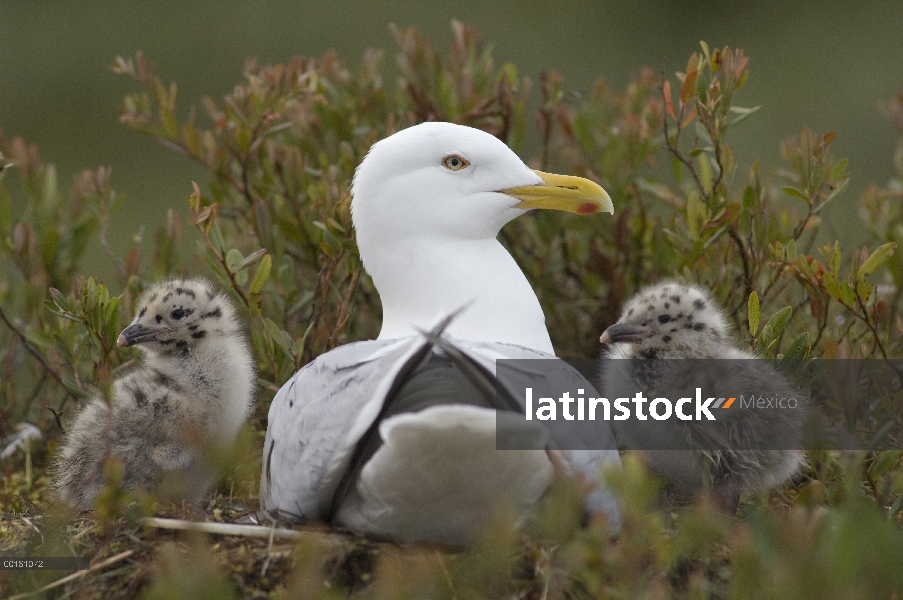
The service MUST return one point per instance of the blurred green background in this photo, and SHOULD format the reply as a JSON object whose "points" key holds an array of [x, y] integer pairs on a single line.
{"points": [[822, 64]]}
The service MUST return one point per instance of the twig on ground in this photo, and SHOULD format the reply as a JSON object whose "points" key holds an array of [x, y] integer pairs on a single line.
{"points": [[254, 531]]}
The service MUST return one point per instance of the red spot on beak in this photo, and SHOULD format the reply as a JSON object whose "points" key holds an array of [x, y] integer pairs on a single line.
{"points": [[587, 208]]}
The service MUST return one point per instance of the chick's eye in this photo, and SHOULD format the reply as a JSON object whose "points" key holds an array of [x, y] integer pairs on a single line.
{"points": [[664, 318], [177, 314], [455, 162]]}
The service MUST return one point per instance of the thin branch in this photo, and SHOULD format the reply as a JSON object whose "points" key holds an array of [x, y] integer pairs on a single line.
{"points": [[865, 317], [250, 531], [673, 148], [220, 257], [245, 159], [56, 417], [342, 310], [716, 146], [31, 349], [747, 272], [267, 385], [822, 326], [37, 389]]}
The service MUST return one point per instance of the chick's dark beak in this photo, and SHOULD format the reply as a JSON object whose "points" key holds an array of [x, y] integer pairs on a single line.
{"points": [[619, 332], [137, 334]]}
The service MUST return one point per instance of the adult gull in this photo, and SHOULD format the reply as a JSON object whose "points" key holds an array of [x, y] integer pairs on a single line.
{"points": [[397, 436]]}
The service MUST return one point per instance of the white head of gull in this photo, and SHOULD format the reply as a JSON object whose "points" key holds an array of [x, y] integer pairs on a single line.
{"points": [[397, 436], [428, 205]]}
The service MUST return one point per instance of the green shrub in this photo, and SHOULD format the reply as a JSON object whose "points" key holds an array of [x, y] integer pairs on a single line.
{"points": [[273, 227]]}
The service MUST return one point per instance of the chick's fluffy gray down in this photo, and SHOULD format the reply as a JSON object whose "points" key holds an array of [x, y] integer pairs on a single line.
{"points": [[180, 408], [730, 457]]}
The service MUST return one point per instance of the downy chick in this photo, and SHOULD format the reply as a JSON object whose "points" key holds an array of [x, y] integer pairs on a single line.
{"points": [[732, 456], [169, 415]]}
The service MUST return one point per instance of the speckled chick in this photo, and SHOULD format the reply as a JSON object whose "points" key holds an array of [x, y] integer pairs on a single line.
{"points": [[730, 457], [184, 404]]}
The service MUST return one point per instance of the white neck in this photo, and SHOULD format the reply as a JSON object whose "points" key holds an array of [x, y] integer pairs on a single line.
{"points": [[422, 280]]}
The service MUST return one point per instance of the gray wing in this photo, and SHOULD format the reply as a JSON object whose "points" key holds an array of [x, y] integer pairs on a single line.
{"points": [[317, 417]]}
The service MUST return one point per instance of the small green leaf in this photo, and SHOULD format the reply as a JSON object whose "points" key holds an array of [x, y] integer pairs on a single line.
{"points": [[110, 313], [275, 334], [766, 340], [261, 275], [792, 191], [779, 320], [742, 115], [73, 389], [839, 169], [778, 250], [878, 258], [64, 315], [704, 161], [799, 348], [695, 214], [728, 160], [285, 274], [335, 225], [233, 259], [263, 342], [92, 292], [749, 198], [298, 345], [752, 313], [840, 187], [216, 237], [865, 290], [849, 294], [251, 259], [59, 298], [832, 284]]}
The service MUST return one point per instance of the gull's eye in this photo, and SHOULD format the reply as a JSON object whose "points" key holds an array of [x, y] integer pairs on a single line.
{"points": [[177, 314], [455, 162], [664, 318]]}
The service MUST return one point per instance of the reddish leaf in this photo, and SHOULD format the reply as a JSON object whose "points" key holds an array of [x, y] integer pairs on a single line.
{"points": [[688, 88], [690, 116], [669, 104]]}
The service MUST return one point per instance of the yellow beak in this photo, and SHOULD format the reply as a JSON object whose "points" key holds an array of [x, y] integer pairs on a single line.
{"points": [[563, 192]]}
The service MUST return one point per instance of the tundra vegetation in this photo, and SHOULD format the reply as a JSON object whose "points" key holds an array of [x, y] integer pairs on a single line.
{"points": [[272, 225]]}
